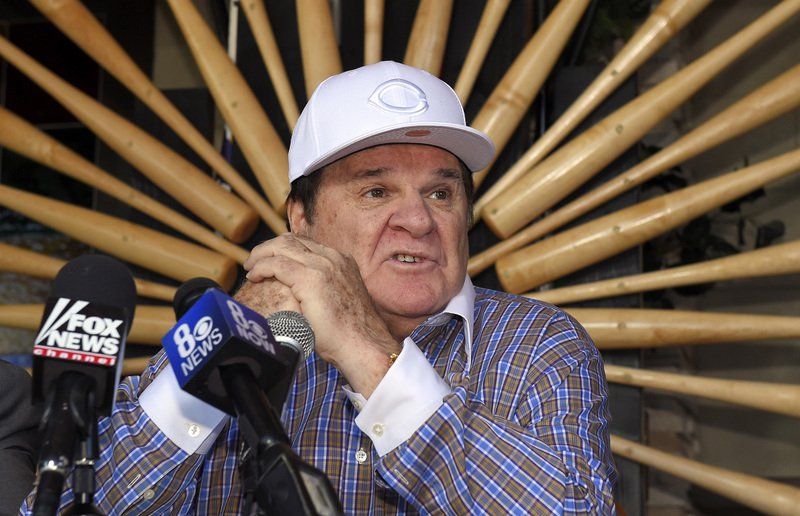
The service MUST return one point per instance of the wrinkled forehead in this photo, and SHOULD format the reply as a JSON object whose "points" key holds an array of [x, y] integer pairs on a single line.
{"points": [[385, 158]]}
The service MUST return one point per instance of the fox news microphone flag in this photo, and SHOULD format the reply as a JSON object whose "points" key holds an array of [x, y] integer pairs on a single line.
{"points": [[84, 326]]}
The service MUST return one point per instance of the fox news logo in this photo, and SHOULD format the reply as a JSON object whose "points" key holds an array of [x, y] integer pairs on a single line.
{"points": [[74, 334]]}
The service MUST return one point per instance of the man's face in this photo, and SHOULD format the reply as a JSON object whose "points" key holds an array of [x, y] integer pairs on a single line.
{"points": [[401, 212]]}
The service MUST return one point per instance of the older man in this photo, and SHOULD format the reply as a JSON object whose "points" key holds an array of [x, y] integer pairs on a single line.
{"points": [[424, 394]]}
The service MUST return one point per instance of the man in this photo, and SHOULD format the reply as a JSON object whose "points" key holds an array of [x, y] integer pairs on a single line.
{"points": [[19, 438], [423, 394]]}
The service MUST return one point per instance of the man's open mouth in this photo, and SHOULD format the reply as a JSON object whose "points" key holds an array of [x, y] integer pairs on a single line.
{"points": [[407, 258]]}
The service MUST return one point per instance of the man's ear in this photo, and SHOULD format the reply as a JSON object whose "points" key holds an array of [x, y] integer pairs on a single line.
{"points": [[296, 213]]}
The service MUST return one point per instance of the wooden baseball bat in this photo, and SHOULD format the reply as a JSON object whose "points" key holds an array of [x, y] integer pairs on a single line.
{"points": [[622, 328], [514, 94], [577, 161], [256, 14], [373, 30], [30, 263], [666, 20], [770, 261], [606, 236], [428, 37], [175, 175], [760, 494], [492, 15], [150, 323], [143, 246], [260, 144], [318, 45], [72, 18], [782, 398], [777, 97], [134, 366], [23, 138]]}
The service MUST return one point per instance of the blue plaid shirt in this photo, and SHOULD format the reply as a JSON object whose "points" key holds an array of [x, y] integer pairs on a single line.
{"points": [[525, 431]]}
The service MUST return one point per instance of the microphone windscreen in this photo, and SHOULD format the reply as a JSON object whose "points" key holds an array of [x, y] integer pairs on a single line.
{"points": [[100, 279], [188, 294], [294, 326]]}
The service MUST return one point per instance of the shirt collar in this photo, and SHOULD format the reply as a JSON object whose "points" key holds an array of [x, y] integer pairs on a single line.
{"points": [[461, 305]]}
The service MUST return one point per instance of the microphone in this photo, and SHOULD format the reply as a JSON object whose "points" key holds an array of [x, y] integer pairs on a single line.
{"points": [[213, 330], [229, 356], [77, 362]]}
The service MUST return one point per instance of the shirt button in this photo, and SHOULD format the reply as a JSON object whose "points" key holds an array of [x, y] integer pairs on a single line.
{"points": [[357, 404], [361, 456], [149, 494], [377, 429], [194, 430]]}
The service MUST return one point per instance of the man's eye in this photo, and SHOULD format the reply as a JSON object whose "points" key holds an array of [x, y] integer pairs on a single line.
{"points": [[376, 193], [440, 195]]}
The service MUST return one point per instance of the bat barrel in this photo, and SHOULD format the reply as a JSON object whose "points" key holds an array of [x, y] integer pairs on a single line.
{"points": [[762, 495], [619, 328]]}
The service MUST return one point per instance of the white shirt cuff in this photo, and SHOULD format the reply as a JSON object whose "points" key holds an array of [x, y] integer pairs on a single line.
{"points": [[190, 423], [409, 394]]}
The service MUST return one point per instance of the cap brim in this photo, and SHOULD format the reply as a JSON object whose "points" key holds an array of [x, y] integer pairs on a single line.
{"points": [[471, 146]]}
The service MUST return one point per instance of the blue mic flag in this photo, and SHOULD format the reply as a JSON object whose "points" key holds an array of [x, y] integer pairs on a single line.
{"points": [[216, 331]]}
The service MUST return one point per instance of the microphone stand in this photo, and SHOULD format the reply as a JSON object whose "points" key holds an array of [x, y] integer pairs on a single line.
{"points": [[69, 415], [283, 483]]}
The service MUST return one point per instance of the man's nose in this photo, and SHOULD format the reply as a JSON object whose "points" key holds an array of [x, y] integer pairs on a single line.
{"points": [[413, 214]]}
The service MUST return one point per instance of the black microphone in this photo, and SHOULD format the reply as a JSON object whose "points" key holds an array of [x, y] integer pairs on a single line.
{"points": [[227, 355], [77, 361]]}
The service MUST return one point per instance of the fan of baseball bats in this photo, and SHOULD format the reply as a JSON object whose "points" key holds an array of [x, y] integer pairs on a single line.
{"points": [[534, 250]]}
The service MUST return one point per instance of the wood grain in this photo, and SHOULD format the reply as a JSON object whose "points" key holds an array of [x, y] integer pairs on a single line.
{"points": [[78, 23], [143, 246], [584, 156], [778, 97], [171, 172], [623, 328], [606, 236], [760, 494], [30, 263], [665, 21]]}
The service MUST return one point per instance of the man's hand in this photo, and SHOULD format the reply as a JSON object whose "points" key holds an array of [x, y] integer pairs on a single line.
{"points": [[331, 294]]}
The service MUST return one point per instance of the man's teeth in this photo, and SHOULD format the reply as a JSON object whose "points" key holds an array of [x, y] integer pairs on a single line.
{"points": [[407, 258]]}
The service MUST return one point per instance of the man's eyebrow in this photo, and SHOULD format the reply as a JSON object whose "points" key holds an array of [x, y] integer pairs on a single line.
{"points": [[449, 173], [371, 172]]}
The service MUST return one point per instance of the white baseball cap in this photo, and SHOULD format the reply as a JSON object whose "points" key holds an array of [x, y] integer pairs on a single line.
{"points": [[382, 103]]}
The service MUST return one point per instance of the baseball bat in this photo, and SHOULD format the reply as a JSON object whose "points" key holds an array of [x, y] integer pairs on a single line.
{"points": [[373, 30], [23, 138], [515, 92], [771, 261], [30, 263], [777, 97], [760, 494], [606, 236], [428, 37], [175, 175], [78, 23], [666, 20], [260, 143], [143, 246], [256, 14], [134, 366], [623, 328], [150, 323], [781, 398], [318, 46], [577, 161], [491, 17]]}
